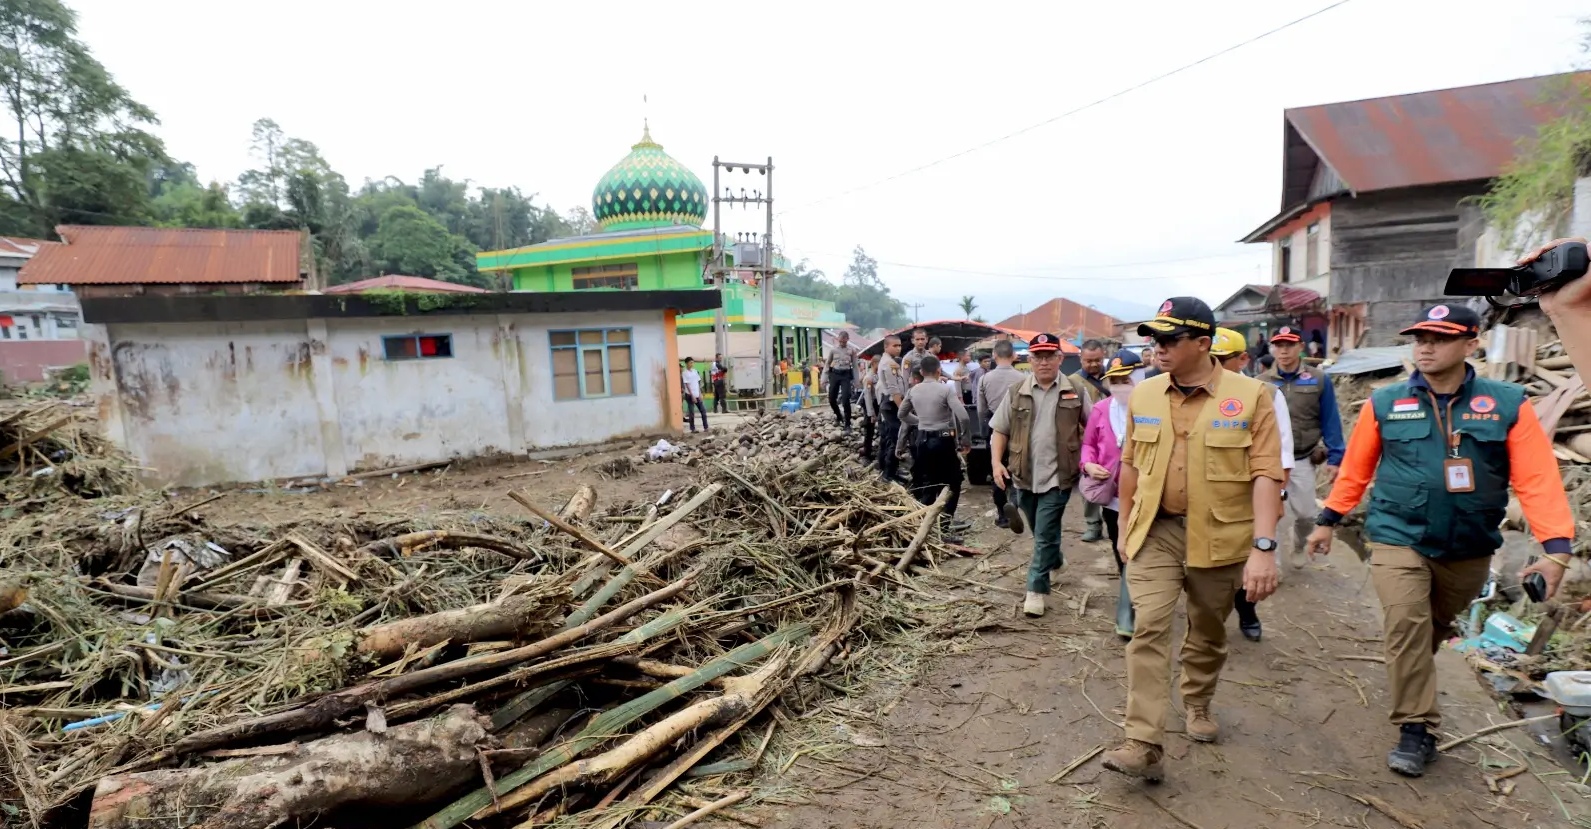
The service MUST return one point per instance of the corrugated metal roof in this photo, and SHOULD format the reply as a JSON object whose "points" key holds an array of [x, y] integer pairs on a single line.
{"points": [[13, 246], [396, 282], [96, 255], [1468, 133], [1066, 319]]}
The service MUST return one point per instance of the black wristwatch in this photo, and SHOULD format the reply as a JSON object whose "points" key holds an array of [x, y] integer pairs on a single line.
{"points": [[1265, 545]]}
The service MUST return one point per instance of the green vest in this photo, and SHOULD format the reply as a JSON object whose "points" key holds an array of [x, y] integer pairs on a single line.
{"points": [[1410, 505], [1302, 394]]}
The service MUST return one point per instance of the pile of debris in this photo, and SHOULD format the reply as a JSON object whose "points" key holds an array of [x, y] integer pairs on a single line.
{"points": [[53, 448], [160, 671], [768, 437]]}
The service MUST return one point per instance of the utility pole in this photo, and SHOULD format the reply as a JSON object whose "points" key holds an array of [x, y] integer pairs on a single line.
{"points": [[915, 307], [765, 269]]}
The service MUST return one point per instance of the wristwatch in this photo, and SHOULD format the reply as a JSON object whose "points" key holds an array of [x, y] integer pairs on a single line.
{"points": [[1265, 545]]}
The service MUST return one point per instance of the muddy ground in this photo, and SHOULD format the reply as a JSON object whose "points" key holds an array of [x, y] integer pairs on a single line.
{"points": [[975, 741]]}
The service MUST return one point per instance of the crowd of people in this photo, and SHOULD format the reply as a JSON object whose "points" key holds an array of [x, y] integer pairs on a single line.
{"points": [[1190, 457]]}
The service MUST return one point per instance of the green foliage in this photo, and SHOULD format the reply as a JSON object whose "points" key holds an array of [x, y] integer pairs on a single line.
{"points": [[804, 280], [968, 305], [1532, 199], [75, 146], [863, 297], [398, 301], [409, 240]]}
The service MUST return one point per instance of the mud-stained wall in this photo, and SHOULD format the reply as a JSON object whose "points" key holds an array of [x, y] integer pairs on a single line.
{"points": [[206, 403]]}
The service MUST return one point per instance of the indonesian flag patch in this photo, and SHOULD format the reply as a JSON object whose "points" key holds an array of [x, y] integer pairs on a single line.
{"points": [[1407, 404]]}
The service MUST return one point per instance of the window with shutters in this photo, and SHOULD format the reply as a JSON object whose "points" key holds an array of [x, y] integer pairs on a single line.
{"points": [[592, 363]]}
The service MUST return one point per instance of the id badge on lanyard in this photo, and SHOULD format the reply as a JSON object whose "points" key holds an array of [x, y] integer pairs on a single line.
{"points": [[1457, 472]]}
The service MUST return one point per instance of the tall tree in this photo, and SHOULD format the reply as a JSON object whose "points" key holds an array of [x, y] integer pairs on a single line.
{"points": [[805, 280], [863, 297], [968, 305], [411, 241], [76, 141]]}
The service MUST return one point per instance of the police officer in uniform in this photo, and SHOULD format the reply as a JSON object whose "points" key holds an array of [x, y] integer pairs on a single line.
{"points": [[891, 392], [943, 435], [913, 358], [1201, 470], [1317, 431], [1443, 447], [841, 366], [1036, 448], [993, 388]]}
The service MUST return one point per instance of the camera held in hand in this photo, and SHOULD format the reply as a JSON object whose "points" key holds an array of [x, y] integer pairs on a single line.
{"points": [[1548, 272]]}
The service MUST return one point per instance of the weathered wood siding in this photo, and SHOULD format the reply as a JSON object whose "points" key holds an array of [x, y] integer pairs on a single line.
{"points": [[1393, 250]]}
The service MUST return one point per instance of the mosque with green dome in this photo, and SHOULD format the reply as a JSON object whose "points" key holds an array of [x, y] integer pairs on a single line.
{"points": [[651, 208]]}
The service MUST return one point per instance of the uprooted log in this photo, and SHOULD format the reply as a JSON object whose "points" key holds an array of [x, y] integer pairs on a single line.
{"points": [[407, 764], [580, 505], [516, 617]]}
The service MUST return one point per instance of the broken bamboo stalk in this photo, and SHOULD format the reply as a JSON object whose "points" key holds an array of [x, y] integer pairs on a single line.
{"points": [[408, 764], [402, 545], [1458, 741], [516, 617], [573, 531], [396, 470], [579, 505], [322, 711], [33, 437], [715, 806], [929, 518], [602, 727]]}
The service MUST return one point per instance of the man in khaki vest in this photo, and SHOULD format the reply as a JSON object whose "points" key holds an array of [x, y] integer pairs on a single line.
{"points": [[1201, 469]]}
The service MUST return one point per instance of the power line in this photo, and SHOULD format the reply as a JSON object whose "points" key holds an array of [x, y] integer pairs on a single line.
{"points": [[1056, 278], [1056, 267], [1046, 122]]}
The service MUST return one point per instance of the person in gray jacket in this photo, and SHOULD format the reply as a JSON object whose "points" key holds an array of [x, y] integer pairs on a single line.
{"points": [[993, 388], [943, 435]]}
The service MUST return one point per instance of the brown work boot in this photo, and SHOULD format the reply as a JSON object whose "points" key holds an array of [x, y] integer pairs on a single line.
{"points": [[1202, 727], [1136, 758]]}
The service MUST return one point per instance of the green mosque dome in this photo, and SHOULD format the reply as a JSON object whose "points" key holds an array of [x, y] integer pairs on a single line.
{"points": [[648, 188]]}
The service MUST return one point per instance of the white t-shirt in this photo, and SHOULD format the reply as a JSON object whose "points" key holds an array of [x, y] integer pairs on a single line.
{"points": [[1284, 422], [693, 382]]}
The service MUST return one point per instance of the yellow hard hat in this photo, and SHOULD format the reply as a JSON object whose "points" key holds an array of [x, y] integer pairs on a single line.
{"points": [[1227, 343]]}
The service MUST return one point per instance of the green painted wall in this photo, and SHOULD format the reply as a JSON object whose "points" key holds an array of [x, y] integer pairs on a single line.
{"points": [[668, 271]]}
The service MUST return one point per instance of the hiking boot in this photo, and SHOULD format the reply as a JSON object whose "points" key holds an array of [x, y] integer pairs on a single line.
{"points": [[1034, 604], [1013, 517], [1093, 533], [1416, 748], [1202, 728], [1136, 758]]}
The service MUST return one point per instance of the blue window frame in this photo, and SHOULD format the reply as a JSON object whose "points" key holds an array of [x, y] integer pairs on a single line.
{"points": [[417, 346], [591, 363]]}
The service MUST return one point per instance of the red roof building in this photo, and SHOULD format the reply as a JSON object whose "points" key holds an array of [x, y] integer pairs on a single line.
{"points": [[1066, 319], [119, 261], [394, 282]]}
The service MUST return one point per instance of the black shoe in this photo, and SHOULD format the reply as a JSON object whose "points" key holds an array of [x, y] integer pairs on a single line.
{"points": [[1416, 748], [948, 538], [1013, 517], [1001, 523], [1251, 630], [957, 525]]}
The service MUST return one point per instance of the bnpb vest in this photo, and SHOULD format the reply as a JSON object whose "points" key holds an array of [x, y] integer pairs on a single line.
{"points": [[1220, 488], [1302, 394], [1069, 422], [1409, 504]]}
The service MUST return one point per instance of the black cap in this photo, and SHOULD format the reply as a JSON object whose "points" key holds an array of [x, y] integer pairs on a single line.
{"points": [[1123, 364], [1451, 320], [1044, 342], [1180, 315]]}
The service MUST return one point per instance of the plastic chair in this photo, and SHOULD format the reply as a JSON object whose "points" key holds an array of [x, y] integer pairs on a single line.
{"points": [[794, 399]]}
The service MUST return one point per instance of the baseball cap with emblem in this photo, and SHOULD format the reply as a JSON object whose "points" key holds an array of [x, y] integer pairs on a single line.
{"points": [[1451, 320], [1122, 364], [1287, 334], [1044, 342], [1180, 315], [1227, 343]]}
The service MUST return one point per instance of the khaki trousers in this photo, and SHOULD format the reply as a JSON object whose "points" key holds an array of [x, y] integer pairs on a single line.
{"points": [[1420, 598], [1156, 577]]}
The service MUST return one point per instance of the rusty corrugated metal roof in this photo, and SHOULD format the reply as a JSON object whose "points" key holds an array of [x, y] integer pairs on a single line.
{"points": [[1469, 133], [95, 255], [397, 282], [1066, 319]]}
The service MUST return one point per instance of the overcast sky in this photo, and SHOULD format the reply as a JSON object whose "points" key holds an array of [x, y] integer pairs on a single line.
{"points": [[546, 96]]}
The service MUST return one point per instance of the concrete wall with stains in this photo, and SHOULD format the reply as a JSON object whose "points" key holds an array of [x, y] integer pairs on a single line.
{"points": [[206, 403]]}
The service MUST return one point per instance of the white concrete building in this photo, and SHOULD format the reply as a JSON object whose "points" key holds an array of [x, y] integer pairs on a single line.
{"points": [[206, 390]]}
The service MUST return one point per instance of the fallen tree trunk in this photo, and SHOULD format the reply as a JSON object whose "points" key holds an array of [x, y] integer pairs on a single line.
{"points": [[517, 617], [408, 764]]}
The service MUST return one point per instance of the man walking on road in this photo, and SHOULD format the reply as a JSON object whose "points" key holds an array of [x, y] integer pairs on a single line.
{"points": [[1201, 471], [891, 392], [1231, 349], [1317, 431], [691, 380], [1040, 423], [943, 435], [993, 388], [1092, 374], [720, 374], [841, 366], [1443, 448]]}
